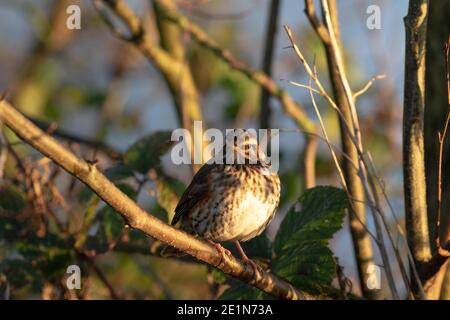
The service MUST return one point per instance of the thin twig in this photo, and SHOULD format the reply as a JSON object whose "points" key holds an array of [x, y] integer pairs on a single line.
{"points": [[441, 138], [368, 85], [362, 172]]}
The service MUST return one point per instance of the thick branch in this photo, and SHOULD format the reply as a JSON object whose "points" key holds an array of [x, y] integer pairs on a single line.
{"points": [[271, 31], [136, 217], [413, 135]]}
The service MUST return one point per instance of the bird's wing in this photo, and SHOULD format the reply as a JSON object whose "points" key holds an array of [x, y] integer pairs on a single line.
{"points": [[198, 189]]}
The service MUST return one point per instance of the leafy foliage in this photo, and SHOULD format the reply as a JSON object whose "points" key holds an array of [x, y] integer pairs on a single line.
{"points": [[103, 232], [168, 192], [145, 154], [316, 216], [302, 255], [36, 259]]}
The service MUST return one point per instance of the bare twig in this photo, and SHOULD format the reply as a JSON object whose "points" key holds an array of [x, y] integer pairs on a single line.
{"points": [[368, 85], [348, 121], [324, 132], [441, 138], [361, 241]]}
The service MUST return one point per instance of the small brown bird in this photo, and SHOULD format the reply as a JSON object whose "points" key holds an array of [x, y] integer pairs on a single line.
{"points": [[231, 201]]}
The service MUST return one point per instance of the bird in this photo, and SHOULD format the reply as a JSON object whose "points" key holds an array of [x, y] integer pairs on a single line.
{"points": [[230, 200]]}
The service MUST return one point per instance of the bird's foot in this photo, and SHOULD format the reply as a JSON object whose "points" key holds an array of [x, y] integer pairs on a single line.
{"points": [[221, 250], [246, 259]]}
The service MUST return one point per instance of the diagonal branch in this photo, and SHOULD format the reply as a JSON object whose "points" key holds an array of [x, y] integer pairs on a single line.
{"points": [[136, 217], [291, 107]]}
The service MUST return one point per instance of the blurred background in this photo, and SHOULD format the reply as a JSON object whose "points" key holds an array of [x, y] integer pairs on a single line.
{"points": [[101, 89]]}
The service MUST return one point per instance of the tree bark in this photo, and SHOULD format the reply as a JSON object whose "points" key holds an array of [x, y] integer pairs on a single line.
{"points": [[413, 135]]}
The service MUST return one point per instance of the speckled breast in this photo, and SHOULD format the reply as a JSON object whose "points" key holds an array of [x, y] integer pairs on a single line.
{"points": [[243, 202]]}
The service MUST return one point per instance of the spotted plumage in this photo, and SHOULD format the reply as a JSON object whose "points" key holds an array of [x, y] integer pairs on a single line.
{"points": [[230, 202]]}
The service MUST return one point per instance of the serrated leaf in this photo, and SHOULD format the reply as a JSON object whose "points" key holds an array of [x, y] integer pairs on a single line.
{"points": [[302, 256], [258, 248], [317, 215], [147, 151], [310, 266]]}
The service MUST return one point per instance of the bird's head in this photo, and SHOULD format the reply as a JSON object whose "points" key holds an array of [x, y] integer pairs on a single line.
{"points": [[241, 146]]}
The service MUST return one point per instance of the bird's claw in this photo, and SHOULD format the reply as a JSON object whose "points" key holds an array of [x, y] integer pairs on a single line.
{"points": [[253, 265], [221, 250]]}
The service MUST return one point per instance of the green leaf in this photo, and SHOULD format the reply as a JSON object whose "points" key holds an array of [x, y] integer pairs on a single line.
{"points": [[104, 232], [168, 192], [105, 229], [317, 215], [21, 273], [147, 151], [302, 256], [50, 255], [258, 247], [310, 266], [119, 172]]}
